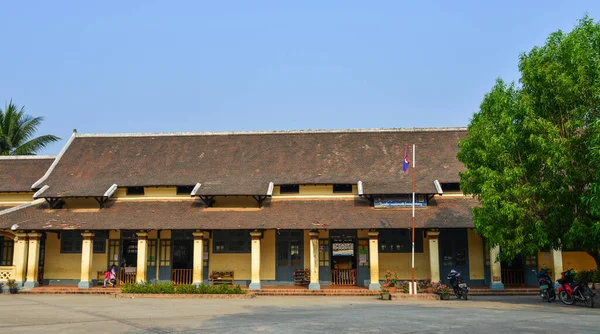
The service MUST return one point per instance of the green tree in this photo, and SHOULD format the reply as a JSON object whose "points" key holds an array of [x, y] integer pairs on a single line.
{"points": [[17, 130], [532, 151]]}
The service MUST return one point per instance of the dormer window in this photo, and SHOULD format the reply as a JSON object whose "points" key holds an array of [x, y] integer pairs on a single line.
{"points": [[135, 191], [289, 189], [342, 188], [453, 187], [184, 190]]}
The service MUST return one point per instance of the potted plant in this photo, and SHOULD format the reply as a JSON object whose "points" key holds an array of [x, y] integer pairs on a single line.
{"points": [[427, 285], [385, 293], [443, 290], [12, 286], [405, 287], [391, 280]]}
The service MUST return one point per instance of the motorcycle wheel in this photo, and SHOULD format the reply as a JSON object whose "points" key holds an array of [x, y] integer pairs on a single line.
{"points": [[551, 296], [588, 299], [465, 295], [564, 297]]}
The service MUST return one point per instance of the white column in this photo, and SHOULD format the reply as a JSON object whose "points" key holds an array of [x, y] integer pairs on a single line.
{"points": [[374, 260], [255, 282], [495, 269], [33, 259], [21, 245], [142, 257], [557, 263], [434, 255], [87, 255], [198, 257], [314, 261]]}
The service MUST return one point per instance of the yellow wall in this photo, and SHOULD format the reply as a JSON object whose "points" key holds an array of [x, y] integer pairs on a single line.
{"points": [[67, 266], [315, 190], [578, 261], [166, 234], [476, 259], [545, 260], [20, 197], [240, 264], [363, 234], [267, 256], [401, 264], [81, 203], [150, 192], [235, 202]]}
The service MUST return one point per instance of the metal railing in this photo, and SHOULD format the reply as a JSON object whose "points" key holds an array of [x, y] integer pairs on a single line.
{"points": [[182, 276], [6, 273], [513, 277], [127, 275], [343, 277]]}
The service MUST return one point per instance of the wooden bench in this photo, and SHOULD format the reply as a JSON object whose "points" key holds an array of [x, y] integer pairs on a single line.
{"points": [[100, 277], [222, 277], [302, 277]]}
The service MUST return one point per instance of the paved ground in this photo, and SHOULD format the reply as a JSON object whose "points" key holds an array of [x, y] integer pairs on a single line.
{"points": [[103, 314]]}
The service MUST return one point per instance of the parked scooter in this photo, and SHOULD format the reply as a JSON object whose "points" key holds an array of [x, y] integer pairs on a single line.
{"points": [[569, 292], [546, 286], [458, 284]]}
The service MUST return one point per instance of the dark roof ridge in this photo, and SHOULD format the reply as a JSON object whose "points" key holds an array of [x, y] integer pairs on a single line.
{"points": [[271, 132]]}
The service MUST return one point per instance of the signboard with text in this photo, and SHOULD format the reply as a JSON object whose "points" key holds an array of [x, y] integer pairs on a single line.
{"points": [[342, 249], [399, 202]]}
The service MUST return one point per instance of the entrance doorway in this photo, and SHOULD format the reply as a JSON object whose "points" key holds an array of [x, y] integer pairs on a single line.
{"points": [[343, 257], [513, 273], [42, 257], [183, 257], [289, 246], [128, 260], [454, 254]]}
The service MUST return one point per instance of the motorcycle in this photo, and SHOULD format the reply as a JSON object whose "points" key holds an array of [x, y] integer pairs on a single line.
{"points": [[546, 286], [570, 292], [458, 284]]}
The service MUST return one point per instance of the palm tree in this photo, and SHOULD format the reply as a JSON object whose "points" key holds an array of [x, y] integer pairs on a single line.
{"points": [[17, 130]]}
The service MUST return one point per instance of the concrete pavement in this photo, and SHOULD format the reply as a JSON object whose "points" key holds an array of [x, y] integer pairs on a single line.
{"points": [[96, 314]]}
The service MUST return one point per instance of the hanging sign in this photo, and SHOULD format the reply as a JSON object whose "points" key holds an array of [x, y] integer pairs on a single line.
{"points": [[342, 249]]}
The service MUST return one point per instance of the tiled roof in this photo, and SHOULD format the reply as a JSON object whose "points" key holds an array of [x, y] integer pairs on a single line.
{"points": [[18, 173], [245, 163], [451, 212]]}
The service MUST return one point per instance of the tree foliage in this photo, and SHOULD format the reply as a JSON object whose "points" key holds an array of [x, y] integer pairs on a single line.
{"points": [[532, 151], [17, 130]]}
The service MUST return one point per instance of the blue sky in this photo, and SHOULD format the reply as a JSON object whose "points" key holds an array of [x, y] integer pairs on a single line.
{"points": [[170, 66]]}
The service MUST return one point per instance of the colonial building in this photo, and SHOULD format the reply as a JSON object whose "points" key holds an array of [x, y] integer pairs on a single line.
{"points": [[259, 205]]}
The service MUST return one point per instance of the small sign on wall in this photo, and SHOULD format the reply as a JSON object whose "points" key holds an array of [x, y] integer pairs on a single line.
{"points": [[399, 202], [343, 249]]}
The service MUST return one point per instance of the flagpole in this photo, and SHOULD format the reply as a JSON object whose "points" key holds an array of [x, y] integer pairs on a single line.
{"points": [[413, 288]]}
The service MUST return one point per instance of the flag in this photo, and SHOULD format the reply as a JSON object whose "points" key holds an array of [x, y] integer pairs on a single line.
{"points": [[406, 160]]}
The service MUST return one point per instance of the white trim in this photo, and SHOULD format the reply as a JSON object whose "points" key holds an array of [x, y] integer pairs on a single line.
{"points": [[438, 187], [26, 157], [39, 192], [270, 189], [359, 186], [22, 206], [272, 132], [195, 190], [49, 171], [110, 191]]}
